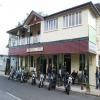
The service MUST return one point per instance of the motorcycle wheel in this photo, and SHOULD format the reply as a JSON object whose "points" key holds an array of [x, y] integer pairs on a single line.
{"points": [[9, 78], [49, 88], [39, 85], [21, 80], [67, 90], [31, 83]]}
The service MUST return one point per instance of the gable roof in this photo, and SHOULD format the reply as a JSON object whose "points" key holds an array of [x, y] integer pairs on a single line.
{"points": [[26, 22], [95, 8], [33, 13], [98, 6], [88, 4]]}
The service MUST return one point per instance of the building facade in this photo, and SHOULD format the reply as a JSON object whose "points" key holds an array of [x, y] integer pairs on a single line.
{"points": [[3, 61], [69, 38]]}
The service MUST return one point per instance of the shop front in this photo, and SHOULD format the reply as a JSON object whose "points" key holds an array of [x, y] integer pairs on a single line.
{"points": [[69, 54]]}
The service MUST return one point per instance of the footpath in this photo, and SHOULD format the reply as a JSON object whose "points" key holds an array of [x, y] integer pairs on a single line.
{"points": [[77, 88]]}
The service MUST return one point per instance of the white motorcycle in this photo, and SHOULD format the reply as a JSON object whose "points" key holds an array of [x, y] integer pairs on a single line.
{"points": [[33, 79], [67, 84]]}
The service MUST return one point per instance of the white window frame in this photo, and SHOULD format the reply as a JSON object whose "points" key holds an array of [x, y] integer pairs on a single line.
{"points": [[79, 18], [74, 19], [50, 25]]}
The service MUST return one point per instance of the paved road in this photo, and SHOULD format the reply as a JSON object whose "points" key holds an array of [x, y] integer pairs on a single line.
{"points": [[11, 90]]}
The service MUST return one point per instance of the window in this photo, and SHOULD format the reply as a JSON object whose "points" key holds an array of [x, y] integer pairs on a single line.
{"points": [[55, 24], [73, 19], [51, 24], [70, 20], [76, 18], [80, 18], [65, 21], [82, 62]]}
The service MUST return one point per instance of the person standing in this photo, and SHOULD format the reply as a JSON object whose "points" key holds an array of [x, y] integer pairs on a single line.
{"points": [[97, 77], [49, 71], [74, 75]]}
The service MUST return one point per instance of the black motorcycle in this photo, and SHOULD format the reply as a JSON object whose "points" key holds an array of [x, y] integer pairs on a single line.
{"points": [[33, 79], [52, 82], [24, 77], [18, 76], [41, 83], [67, 84]]}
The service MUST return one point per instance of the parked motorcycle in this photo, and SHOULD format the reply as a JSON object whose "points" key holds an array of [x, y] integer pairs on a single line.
{"points": [[18, 75], [41, 83], [52, 82], [33, 79], [24, 77], [67, 83], [12, 74]]}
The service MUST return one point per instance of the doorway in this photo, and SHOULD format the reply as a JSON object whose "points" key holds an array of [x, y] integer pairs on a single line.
{"points": [[67, 63], [42, 64]]}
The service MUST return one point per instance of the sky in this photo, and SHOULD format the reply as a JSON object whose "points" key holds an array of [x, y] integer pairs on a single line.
{"points": [[14, 11]]}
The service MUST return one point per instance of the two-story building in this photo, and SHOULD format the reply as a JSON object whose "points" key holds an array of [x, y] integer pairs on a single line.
{"points": [[69, 38]]}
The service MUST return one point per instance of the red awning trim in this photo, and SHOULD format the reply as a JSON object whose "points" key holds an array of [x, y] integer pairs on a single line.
{"points": [[56, 48]]}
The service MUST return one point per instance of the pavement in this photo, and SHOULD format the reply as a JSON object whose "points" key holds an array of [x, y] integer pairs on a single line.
{"points": [[77, 88]]}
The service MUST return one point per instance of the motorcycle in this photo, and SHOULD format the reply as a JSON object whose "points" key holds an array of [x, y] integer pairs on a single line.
{"points": [[41, 83], [67, 84], [12, 74], [52, 82], [18, 75], [33, 79], [24, 77]]}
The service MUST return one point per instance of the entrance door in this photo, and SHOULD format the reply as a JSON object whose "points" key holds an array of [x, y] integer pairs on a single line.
{"points": [[67, 62], [42, 63]]}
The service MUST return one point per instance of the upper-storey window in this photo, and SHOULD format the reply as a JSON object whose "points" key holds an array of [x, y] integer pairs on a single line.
{"points": [[51, 24], [73, 19]]}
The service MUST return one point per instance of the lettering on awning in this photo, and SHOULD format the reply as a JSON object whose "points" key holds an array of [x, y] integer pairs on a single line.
{"points": [[34, 49]]}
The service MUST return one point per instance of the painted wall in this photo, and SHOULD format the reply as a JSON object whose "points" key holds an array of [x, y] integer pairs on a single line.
{"points": [[92, 32], [91, 19], [98, 39], [75, 62], [66, 33], [92, 69]]}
